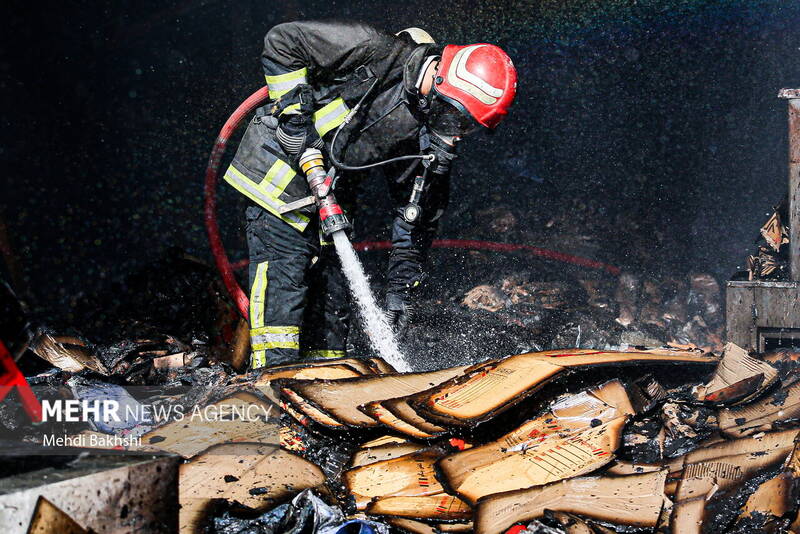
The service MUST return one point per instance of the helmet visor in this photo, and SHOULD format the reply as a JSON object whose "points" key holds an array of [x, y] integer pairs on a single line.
{"points": [[446, 119]]}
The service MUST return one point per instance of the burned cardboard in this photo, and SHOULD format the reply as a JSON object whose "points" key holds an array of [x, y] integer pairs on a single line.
{"points": [[576, 436], [685, 426], [646, 392], [68, 353], [386, 439], [309, 410], [787, 362], [378, 453], [454, 527], [485, 297], [377, 411], [49, 519], [341, 398], [627, 296], [410, 526], [439, 508], [634, 500], [738, 377], [771, 506], [380, 366], [717, 469], [572, 524], [781, 407], [348, 367], [644, 439], [495, 387], [403, 411], [253, 476], [411, 475], [242, 417], [100, 492], [771, 261]]}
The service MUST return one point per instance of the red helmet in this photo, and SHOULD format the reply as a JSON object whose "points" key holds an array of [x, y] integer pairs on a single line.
{"points": [[480, 80]]}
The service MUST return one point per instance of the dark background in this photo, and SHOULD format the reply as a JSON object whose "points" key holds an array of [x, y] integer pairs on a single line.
{"points": [[659, 117]]}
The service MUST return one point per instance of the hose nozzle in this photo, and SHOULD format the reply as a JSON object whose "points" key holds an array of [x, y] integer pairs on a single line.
{"points": [[331, 216]]}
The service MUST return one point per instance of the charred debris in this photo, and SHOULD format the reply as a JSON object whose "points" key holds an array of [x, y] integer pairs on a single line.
{"points": [[689, 436], [582, 440]]}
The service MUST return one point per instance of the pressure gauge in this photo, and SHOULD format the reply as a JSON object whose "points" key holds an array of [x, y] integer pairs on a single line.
{"points": [[411, 213]]}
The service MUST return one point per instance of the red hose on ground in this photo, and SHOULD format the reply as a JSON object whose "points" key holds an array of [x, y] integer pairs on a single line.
{"points": [[226, 269], [210, 191], [473, 244]]}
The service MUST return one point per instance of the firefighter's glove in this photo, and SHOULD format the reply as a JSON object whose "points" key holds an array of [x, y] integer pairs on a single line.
{"points": [[399, 312], [444, 153], [296, 131]]}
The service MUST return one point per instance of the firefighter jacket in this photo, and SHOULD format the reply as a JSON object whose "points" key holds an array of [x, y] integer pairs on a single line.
{"points": [[340, 60]]}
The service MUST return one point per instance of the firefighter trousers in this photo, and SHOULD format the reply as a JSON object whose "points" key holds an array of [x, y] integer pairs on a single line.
{"points": [[299, 304]]}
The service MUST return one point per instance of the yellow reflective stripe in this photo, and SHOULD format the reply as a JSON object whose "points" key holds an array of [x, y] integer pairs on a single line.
{"points": [[287, 76], [275, 330], [258, 296], [277, 345], [258, 359], [323, 241], [293, 109], [236, 177], [330, 116], [280, 84], [255, 192], [279, 176], [324, 353]]}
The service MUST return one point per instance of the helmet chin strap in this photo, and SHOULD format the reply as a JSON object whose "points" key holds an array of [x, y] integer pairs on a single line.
{"points": [[423, 71]]}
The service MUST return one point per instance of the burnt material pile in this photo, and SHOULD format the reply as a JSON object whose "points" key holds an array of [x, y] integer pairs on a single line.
{"points": [[771, 261], [632, 440], [600, 313]]}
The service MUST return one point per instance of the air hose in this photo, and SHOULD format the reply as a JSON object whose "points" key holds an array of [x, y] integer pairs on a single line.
{"points": [[352, 113]]}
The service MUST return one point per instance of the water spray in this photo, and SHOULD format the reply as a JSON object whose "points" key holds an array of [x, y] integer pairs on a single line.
{"points": [[334, 224]]}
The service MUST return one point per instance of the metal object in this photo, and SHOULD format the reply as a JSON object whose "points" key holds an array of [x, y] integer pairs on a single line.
{"points": [[793, 98], [332, 218], [766, 315], [413, 211], [763, 315]]}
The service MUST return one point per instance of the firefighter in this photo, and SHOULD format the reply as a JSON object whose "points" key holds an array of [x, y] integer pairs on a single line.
{"points": [[415, 100]]}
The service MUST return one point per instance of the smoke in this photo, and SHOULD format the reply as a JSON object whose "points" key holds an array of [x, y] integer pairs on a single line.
{"points": [[380, 334]]}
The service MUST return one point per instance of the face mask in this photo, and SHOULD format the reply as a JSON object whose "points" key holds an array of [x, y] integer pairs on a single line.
{"points": [[448, 121]]}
